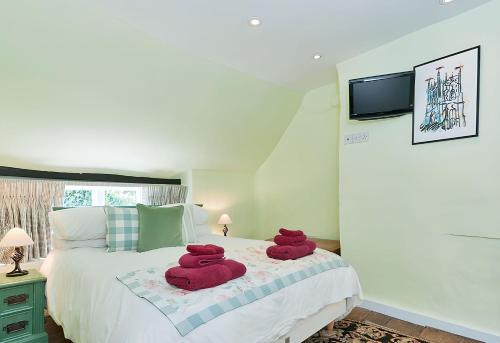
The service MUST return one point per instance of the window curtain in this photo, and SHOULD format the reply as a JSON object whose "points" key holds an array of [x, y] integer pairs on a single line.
{"points": [[159, 195], [25, 203]]}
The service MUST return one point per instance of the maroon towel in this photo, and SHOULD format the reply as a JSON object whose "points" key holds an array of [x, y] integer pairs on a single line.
{"points": [[193, 261], [291, 233], [237, 269], [209, 249], [288, 252], [193, 279], [289, 240], [311, 245]]}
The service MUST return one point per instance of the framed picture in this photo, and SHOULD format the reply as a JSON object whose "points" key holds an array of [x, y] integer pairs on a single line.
{"points": [[447, 98]]}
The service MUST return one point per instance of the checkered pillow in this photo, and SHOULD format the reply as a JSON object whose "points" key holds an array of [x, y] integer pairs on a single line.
{"points": [[122, 228]]}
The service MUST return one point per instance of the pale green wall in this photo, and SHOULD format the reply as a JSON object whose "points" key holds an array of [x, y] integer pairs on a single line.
{"points": [[399, 202], [81, 91], [297, 185], [228, 192]]}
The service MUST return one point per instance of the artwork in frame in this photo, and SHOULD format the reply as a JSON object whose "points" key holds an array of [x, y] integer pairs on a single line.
{"points": [[447, 98]]}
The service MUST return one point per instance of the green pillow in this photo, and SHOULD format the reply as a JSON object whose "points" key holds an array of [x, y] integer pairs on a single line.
{"points": [[159, 227]]}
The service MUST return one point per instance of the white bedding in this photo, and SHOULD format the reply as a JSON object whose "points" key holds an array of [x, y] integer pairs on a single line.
{"points": [[84, 296]]}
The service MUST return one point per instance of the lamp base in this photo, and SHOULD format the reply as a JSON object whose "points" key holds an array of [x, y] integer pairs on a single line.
{"points": [[17, 273], [17, 257]]}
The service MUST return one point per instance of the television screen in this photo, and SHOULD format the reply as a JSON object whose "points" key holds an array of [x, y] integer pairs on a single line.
{"points": [[381, 96]]}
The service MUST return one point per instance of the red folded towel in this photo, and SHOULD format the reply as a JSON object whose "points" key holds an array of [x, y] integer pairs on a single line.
{"points": [[196, 261], [209, 249], [237, 269], [288, 252], [289, 240], [193, 279], [311, 245], [291, 233]]}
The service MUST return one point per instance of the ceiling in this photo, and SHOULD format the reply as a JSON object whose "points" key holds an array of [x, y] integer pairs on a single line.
{"points": [[280, 50]]}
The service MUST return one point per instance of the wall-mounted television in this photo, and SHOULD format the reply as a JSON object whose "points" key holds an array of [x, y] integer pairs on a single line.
{"points": [[381, 96]]}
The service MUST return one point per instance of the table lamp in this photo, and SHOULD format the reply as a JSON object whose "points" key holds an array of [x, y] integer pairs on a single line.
{"points": [[16, 238], [225, 219]]}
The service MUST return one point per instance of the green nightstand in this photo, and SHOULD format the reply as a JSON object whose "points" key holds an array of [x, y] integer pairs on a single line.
{"points": [[22, 300]]}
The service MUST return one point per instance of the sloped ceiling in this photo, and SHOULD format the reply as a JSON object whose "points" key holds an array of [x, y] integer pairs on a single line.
{"points": [[292, 31], [82, 91]]}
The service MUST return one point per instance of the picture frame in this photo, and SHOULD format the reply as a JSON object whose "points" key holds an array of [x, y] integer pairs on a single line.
{"points": [[446, 98]]}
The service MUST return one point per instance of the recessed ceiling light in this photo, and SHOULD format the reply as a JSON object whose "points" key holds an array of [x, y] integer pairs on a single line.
{"points": [[317, 56], [254, 22], [445, 2]]}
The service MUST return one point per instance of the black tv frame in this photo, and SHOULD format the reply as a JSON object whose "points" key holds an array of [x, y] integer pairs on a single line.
{"points": [[382, 115]]}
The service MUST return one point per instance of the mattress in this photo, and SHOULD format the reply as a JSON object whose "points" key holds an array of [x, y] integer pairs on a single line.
{"points": [[86, 299]]}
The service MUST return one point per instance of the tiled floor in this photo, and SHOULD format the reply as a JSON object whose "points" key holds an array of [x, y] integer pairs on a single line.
{"points": [[359, 314]]}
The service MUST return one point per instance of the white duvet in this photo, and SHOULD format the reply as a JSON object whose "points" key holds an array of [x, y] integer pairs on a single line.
{"points": [[86, 299]]}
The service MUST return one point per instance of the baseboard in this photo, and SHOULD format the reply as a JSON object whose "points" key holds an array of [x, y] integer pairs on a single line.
{"points": [[420, 319]]}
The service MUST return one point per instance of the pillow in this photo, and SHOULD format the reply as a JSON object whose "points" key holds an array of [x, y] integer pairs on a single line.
{"points": [[189, 234], [79, 223], [63, 244], [122, 225], [159, 227], [200, 215], [203, 230]]}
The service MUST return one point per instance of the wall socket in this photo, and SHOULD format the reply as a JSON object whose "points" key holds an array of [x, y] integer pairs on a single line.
{"points": [[355, 138]]}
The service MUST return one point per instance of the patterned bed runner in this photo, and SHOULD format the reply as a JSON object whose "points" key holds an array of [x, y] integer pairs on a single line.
{"points": [[187, 310]]}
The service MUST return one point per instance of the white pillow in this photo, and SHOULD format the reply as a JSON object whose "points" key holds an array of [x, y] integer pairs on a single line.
{"points": [[63, 244], [80, 223], [200, 215], [203, 230]]}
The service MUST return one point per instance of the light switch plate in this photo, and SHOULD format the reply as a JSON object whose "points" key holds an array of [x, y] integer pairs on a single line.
{"points": [[355, 138]]}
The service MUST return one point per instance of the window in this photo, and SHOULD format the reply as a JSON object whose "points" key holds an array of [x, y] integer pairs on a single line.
{"points": [[79, 196]]}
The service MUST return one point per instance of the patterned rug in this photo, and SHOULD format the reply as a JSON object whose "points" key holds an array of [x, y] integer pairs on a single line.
{"points": [[349, 331]]}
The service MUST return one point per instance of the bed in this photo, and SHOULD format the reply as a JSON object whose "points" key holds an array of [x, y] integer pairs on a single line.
{"points": [[86, 299]]}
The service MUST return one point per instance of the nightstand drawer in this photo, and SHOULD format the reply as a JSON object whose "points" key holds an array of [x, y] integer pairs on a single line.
{"points": [[16, 325], [16, 298]]}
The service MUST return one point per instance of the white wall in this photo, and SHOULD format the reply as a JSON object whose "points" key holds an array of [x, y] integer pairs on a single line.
{"points": [[81, 91], [297, 186], [399, 203], [230, 192]]}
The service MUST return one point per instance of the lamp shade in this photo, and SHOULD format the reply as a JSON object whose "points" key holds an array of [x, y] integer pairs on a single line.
{"points": [[225, 219], [16, 237]]}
